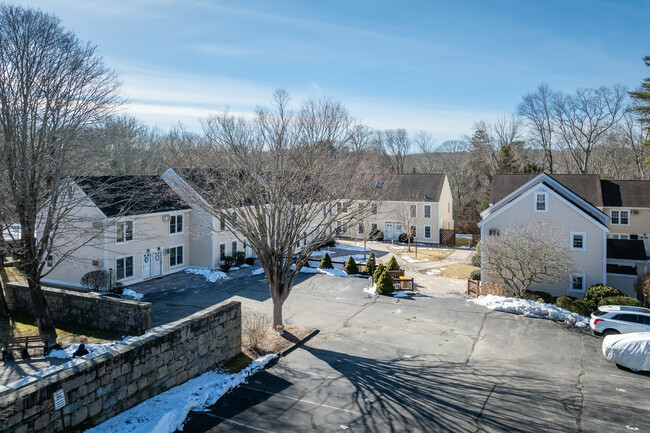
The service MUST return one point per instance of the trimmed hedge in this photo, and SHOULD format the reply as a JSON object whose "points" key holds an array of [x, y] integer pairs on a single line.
{"points": [[475, 275], [380, 270], [351, 267], [385, 284], [376, 235], [476, 258], [405, 239], [564, 301], [620, 300], [371, 264], [582, 307], [392, 264], [599, 291], [326, 262]]}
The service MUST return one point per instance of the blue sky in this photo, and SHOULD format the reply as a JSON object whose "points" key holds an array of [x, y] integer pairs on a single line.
{"points": [[432, 65]]}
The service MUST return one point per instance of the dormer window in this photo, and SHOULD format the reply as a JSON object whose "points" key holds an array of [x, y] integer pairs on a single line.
{"points": [[541, 202]]}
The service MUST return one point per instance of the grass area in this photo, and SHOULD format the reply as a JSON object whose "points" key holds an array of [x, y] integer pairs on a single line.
{"points": [[237, 364], [15, 274], [424, 254], [20, 325], [463, 242], [456, 270]]}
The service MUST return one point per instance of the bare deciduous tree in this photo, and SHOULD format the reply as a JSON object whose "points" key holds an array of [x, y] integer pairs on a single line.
{"points": [[283, 181], [394, 146], [426, 145], [537, 109], [407, 216], [632, 134], [51, 86], [526, 254], [583, 118]]}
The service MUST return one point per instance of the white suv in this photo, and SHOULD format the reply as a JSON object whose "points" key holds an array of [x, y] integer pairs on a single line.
{"points": [[619, 319]]}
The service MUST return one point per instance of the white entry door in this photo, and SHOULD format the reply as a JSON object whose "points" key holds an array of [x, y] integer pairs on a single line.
{"points": [[157, 262], [146, 265], [398, 230], [388, 231]]}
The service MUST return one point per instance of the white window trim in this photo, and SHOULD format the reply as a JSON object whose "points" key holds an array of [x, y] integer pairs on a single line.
{"points": [[535, 194], [425, 232], [232, 253], [416, 210], [182, 226], [584, 283], [225, 253], [424, 211], [620, 217], [125, 276], [584, 241], [117, 225], [170, 256]]}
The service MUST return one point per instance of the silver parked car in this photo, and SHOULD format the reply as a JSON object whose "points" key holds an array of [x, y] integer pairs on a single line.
{"points": [[619, 319]]}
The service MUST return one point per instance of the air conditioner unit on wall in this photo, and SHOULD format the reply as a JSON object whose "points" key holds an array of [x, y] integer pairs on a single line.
{"points": [[98, 262], [165, 217]]}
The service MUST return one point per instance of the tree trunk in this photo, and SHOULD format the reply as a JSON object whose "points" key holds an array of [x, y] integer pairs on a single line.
{"points": [[4, 308], [42, 314], [277, 315]]}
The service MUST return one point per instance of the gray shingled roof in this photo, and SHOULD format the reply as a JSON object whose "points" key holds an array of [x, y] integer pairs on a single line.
{"points": [[586, 186], [626, 193], [130, 195], [416, 187]]}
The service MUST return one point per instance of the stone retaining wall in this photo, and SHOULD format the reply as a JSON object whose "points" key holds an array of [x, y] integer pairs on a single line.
{"points": [[86, 309], [98, 386]]}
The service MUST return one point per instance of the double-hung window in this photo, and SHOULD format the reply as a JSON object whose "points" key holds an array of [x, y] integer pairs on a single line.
{"points": [[222, 223], [123, 267], [427, 232], [175, 224], [233, 249], [360, 228], [124, 232], [222, 252], [373, 227], [427, 211], [541, 199], [373, 209], [176, 256], [620, 217], [578, 241], [414, 210], [578, 283]]}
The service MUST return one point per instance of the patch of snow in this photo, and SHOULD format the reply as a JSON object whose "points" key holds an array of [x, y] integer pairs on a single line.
{"points": [[317, 254], [410, 259], [245, 265], [166, 412], [526, 307], [333, 272], [211, 275], [401, 294], [129, 292], [236, 268], [259, 271], [91, 348], [372, 290], [434, 272]]}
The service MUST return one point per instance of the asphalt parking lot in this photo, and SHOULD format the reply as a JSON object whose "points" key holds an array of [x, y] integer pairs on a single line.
{"points": [[430, 363]]}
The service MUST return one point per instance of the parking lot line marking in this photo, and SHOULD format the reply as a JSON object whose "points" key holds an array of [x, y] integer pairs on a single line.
{"points": [[237, 423], [302, 401]]}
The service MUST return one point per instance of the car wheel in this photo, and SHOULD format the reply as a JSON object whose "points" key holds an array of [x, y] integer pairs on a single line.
{"points": [[607, 332]]}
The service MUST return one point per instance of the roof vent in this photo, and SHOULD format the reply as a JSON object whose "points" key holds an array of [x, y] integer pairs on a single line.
{"points": [[379, 184]]}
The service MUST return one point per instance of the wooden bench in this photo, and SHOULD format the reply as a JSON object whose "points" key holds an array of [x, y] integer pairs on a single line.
{"points": [[404, 284], [23, 344]]}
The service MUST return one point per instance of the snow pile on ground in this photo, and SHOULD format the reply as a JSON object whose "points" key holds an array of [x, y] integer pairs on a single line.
{"points": [[434, 272], [526, 307], [211, 275], [133, 293], [410, 259], [259, 271], [320, 253], [401, 294], [69, 351], [166, 412], [357, 258], [372, 290]]}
